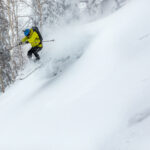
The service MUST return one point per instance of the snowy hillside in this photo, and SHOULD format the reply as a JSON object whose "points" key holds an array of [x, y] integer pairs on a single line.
{"points": [[100, 96]]}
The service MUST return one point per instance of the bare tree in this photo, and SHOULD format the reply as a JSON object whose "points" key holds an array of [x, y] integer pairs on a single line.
{"points": [[11, 59], [6, 76]]}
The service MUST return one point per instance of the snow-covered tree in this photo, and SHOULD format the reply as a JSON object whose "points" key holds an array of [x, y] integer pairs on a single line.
{"points": [[11, 59], [96, 8], [6, 73], [54, 11]]}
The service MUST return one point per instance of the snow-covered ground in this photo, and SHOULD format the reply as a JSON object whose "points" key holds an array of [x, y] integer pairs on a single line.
{"points": [[100, 97]]}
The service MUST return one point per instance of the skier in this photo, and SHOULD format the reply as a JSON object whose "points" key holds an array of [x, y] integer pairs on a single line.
{"points": [[33, 37]]}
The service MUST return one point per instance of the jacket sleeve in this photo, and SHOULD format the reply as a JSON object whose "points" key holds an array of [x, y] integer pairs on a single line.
{"points": [[33, 38], [24, 39]]}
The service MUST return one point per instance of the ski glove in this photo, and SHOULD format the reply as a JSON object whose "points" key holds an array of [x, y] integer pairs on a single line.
{"points": [[20, 43], [26, 42]]}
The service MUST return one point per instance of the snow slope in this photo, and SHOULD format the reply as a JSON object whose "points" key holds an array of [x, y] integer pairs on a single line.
{"points": [[99, 100]]}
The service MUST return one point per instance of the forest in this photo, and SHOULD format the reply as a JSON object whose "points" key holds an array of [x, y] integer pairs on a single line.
{"points": [[17, 15]]}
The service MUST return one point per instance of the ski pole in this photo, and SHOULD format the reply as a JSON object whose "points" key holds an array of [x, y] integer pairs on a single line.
{"points": [[19, 44], [46, 41], [10, 48], [49, 40], [13, 47]]}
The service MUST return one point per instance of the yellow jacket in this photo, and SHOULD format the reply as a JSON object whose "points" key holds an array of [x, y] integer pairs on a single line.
{"points": [[33, 39]]}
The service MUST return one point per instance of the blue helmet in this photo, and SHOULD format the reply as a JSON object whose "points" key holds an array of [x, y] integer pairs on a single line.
{"points": [[26, 32]]}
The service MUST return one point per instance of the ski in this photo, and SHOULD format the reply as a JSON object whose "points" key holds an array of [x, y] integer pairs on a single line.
{"points": [[31, 72]]}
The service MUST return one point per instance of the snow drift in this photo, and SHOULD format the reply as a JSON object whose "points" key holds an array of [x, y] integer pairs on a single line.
{"points": [[101, 101]]}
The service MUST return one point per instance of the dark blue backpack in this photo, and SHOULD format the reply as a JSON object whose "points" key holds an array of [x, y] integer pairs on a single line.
{"points": [[38, 32]]}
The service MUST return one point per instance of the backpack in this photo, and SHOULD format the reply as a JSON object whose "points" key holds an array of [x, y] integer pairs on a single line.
{"points": [[38, 32]]}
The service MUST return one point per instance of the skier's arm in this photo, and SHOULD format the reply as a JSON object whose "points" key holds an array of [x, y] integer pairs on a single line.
{"points": [[24, 39]]}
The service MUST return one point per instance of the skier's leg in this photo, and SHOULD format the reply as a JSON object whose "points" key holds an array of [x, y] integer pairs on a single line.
{"points": [[37, 56], [30, 52], [36, 52], [39, 49]]}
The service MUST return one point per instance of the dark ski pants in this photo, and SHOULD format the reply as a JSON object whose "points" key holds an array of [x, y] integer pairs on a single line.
{"points": [[34, 50]]}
